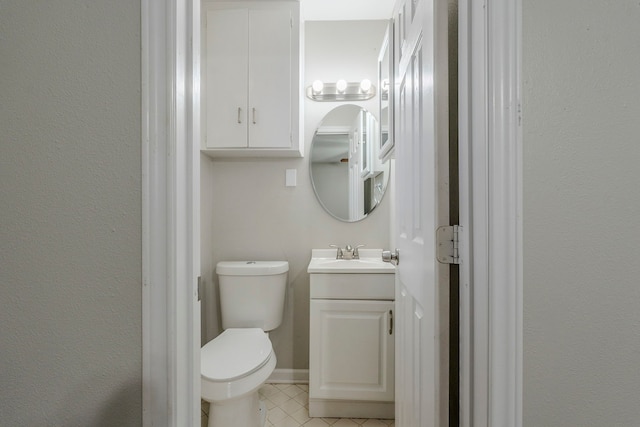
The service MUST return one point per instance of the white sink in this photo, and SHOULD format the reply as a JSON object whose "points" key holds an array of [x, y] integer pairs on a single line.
{"points": [[367, 278], [324, 261]]}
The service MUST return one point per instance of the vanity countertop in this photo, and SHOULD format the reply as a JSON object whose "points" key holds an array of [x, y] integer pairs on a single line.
{"points": [[323, 261]]}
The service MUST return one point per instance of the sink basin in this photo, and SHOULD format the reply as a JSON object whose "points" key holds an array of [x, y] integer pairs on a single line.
{"points": [[367, 278], [324, 261]]}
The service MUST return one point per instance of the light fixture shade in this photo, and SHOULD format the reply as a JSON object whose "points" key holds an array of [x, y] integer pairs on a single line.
{"points": [[317, 86], [341, 85], [365, 85]]}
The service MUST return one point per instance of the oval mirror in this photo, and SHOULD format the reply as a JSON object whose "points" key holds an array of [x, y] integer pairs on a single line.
{"points": [[348, 178]]}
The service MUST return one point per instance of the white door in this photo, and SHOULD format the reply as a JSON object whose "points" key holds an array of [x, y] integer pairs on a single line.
{"points": [[422, 206]]}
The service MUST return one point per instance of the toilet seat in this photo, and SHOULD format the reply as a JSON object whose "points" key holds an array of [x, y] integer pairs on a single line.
{"points": [[234, 354]]}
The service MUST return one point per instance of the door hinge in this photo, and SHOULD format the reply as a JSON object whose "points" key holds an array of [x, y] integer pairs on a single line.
{"points": [[448, 242], [199, 288]]}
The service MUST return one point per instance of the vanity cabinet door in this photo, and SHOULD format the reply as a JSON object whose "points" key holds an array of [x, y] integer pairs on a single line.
{"points": [[351, 350]]}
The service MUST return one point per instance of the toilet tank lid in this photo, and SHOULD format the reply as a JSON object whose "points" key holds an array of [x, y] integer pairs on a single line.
{"points": [[251, 268]]}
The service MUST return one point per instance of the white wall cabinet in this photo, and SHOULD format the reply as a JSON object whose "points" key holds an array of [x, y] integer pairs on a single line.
{"points": [[251, 79]]}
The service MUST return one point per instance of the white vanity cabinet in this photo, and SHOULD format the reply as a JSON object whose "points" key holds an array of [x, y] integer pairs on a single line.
{"points": [[251, 79], [351, 350]]}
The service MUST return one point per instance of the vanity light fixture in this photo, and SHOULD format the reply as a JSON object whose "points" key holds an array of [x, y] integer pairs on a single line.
{"points": [[365, 86], [317, 87], [341, 91]]}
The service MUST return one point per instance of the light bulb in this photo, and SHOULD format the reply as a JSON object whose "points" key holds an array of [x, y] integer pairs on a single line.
{"points": [[365, 86], [317, 86], [341, 86]]}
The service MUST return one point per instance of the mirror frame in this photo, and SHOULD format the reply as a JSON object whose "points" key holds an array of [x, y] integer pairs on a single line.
{"points": [[387, 67]]}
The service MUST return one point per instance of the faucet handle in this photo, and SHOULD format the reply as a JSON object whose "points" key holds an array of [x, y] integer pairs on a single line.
{"points": [[356, 254], [339, 254]]}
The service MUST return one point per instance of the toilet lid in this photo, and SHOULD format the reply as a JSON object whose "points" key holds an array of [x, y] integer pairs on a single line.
{"points": [[235, 353]]}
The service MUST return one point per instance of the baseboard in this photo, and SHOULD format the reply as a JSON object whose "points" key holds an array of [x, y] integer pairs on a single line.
{"points": [[289, 376], [350, 409]]}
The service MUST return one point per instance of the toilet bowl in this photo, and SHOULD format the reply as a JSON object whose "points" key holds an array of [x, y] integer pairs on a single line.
{"points": [[237, 363], [234, 366]]}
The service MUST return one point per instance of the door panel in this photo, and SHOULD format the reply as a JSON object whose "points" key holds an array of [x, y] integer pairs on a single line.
{"points": [[226, 79], [270, 83], [351, 354], [422, 206]]}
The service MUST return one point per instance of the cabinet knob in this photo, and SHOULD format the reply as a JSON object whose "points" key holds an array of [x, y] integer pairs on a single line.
{"points": [[239, 115], [254, 116]]}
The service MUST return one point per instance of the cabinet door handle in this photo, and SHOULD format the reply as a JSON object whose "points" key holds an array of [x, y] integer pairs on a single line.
{"points": [[254, 116], [239, 115], [390, 322]]}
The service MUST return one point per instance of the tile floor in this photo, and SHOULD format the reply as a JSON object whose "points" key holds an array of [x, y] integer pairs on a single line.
{"points": [[288, 404]]}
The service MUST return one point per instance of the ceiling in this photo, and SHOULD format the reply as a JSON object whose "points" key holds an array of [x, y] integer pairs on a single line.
{"points": [[346, 10]]}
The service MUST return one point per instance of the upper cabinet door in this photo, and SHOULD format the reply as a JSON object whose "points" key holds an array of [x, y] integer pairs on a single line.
{"points": [[226, 78], [270, 78]]}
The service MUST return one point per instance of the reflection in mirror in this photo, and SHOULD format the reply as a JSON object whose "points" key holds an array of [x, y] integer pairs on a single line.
{"points": [[347, 176], [385, 80]]}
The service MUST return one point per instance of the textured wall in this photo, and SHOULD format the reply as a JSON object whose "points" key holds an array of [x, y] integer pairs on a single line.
{"points": [[70, 228], [581, 69], [254, 216]]}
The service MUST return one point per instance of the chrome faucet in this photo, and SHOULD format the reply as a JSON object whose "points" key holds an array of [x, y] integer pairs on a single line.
{"points": [[339, 254], [348, 252]]}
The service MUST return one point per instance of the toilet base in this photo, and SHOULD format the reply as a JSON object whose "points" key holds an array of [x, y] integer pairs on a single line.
{"points": [[246, 411]]}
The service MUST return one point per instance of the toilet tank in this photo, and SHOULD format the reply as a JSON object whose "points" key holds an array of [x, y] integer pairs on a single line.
{"points": [[252, 293]]}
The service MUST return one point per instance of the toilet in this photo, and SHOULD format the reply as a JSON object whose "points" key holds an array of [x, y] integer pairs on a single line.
{"points": [[234, 365]]}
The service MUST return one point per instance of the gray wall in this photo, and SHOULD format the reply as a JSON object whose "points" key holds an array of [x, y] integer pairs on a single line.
{"points": [[70, 227], [252, 215], [581, 70]]}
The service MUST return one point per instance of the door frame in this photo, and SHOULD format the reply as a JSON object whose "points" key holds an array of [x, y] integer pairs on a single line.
{"points": [[170, 101], [490, 156], [490, 212]]}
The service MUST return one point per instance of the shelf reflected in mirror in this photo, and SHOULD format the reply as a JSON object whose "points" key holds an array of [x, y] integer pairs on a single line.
{"points": [[348, 178]]}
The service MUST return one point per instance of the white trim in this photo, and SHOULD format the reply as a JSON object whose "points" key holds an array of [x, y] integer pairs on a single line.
{"points": [[491, 213], [170, 227], [289, 376]]}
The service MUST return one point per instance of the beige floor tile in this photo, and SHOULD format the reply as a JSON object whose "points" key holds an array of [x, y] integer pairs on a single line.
{"points": [[287, 422], [292, 391], [291, 406], [276, 414], [344, 422], [302, 398], [302, 416], [278, 398], [374, 423], [315, 422]]}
